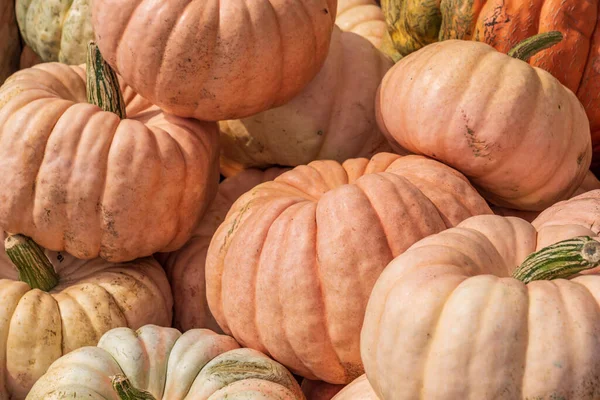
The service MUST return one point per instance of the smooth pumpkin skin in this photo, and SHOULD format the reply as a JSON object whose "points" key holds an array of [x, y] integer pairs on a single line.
{"points": [[446, 321], [118, 189], [92, 297], [332, 118], [185, 267], [363, 17], [56, 30], [215, 60], [358, 389], [516, 132], [290, 270], [502, 24], [10, 45], [198, 364]]}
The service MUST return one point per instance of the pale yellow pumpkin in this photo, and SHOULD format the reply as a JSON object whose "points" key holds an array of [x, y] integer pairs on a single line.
{"points": [[363, 17], [91, 297], [162, 363]]}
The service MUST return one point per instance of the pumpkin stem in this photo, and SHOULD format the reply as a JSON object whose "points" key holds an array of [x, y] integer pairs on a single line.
{"points": [[34, 267], [126, 391], [529, 47], [103, 87], [560, 260]]}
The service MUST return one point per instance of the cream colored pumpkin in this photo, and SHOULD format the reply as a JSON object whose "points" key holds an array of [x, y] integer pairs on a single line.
{"points": [[56, 30], [363, 17], [332, 118], [290, 270], [185, 267], [10, 44], [447, 321], [91, 298], [196, 365], [358, 389]]}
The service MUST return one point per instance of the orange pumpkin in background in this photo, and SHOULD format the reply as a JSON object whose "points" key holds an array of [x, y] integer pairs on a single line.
{"points": [[215, 60]]}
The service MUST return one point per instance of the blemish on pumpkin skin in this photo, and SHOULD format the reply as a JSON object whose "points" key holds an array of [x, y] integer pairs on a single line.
{"points": [[580, 157]]}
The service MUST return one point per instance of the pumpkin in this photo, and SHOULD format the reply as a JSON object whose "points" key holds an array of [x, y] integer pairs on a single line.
{"points": [[493, 308], [363, 17], [358, 389], [28, 58], [503, 24], [590, 182], [289, 271], [54, 303], [319, 390], [215, 60], [10, 45], [162, 363], [332, 118], [83, 180], [185, 267], [56, 30], [515, 131]]}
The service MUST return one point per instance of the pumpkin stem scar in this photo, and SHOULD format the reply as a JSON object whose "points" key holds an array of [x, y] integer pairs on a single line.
{"points": [[125, 390], [560, 260], [529, 47], [102, 83], [34, 267]]}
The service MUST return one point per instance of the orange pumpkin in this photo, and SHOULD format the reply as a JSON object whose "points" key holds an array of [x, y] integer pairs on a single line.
{"points": [[319, 390], [215, 60], [185, 267], [502, 24], [469, 312], [515, 131], [79, 179], [290, 270]]}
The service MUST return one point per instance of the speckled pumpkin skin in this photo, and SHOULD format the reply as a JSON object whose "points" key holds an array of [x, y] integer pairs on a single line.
{"points": [[56, 30], [10, 45]]}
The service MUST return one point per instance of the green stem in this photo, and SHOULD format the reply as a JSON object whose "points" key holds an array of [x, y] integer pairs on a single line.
{"points": [[126, 391], [103, 87], [34, 267], [560, 260], [529, 47]]}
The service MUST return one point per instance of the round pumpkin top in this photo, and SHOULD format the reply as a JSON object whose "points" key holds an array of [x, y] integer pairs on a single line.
{"points": [[447, 317], [185, 267], [519, 135], [91, 298], [80, 179], [290, 270], [215, 60], [198, 364]]}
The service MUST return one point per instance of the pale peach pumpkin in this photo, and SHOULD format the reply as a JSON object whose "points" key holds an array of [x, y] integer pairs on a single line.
{"points": [[332, 118], [290, 270], [358, 389], [215, 60], [363, 17], [162, 363], [514, 130], [185, 267], [80, 179], [41, 322], [447, 321], [10, 43]]}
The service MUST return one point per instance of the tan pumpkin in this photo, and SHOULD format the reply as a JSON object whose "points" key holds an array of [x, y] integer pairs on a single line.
{"points": [[162, 363], [185, 267], [70, 303], [332, 118], [10, 44], [83, 180], [319, 390], [56, 30], [590, 182], [358, 389], [515, 131], [363, 17], [469, 313], [215, 60], [290, 270]]}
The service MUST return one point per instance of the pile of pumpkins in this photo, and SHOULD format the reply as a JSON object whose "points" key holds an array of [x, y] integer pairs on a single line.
{"points": [[302, 199]]}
